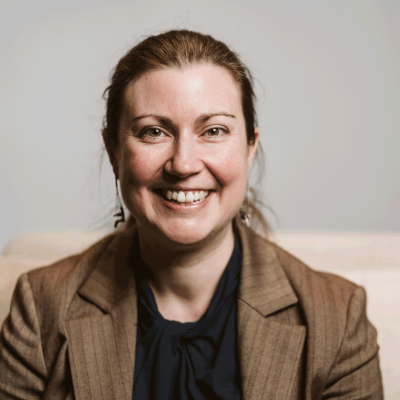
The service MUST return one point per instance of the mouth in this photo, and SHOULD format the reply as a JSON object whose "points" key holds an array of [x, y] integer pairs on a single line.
{"points": [[184, 197]]}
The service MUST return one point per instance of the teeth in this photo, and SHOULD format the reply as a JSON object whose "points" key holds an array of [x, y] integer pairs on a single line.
{"points": [[181, 197], [189, 197]]}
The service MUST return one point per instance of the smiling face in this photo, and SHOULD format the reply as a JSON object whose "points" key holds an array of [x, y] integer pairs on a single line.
{"points": [[182, 156]]}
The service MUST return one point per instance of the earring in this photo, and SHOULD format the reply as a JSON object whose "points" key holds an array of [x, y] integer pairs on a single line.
{"points": [[245, 216], [244, 211], [120, 214]]}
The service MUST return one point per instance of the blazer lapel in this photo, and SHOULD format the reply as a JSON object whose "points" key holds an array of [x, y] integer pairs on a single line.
{"points": [[269, 352], [102, 347]]}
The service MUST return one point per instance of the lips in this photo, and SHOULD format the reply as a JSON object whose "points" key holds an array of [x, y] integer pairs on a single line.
{"points": [[185, 197]]}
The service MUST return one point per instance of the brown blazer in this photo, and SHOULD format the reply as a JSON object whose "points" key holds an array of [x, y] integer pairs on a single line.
{"points": [[302, 334]]}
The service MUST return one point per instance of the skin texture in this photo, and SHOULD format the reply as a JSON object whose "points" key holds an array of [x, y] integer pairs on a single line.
{"points": [[183, 130]]}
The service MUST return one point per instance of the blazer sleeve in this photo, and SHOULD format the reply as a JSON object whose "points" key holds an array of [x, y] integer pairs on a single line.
{"points": [[22, 367], [356, 373]]}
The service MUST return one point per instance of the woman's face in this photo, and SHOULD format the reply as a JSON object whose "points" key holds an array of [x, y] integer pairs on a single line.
{"points": [[182, 136]]}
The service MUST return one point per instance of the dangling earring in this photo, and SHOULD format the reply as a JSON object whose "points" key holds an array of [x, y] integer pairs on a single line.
{"points": [[245, 216], [120, 214], [244, 211]]}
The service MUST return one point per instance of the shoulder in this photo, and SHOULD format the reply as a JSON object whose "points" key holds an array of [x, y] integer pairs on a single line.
{"points": [[53, 288], [307, 283], [45, 299], [322, 299], [310, 283], [70, 271], [332, 308], [327, 301], [58, 289]]}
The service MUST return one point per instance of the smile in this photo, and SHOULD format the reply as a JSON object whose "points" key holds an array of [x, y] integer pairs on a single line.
{"points": [[185, 198]]}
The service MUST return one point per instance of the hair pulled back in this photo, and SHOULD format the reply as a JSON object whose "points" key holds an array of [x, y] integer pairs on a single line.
{"points": [[180, 49], [176, 49]]}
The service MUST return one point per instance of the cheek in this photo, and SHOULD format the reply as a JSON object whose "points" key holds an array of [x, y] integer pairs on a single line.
{"points": [[139, 165], [230, 167]]}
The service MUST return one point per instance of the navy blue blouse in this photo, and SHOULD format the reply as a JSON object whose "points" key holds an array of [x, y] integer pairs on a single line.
{"points": [[195, 360]]}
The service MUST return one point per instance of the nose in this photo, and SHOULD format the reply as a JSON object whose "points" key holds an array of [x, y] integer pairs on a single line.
{"points": [[184, 160]]}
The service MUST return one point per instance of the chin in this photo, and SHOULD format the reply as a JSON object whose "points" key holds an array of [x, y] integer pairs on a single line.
{"points": [[190, 234], [182, 236], [186, 239]]}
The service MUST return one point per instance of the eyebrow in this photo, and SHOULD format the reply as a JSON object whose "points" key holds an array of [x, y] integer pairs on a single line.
{"points": [[205, 117], [199, 120]]}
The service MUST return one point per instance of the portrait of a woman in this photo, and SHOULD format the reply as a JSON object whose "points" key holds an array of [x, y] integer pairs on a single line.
{"points": [[184, 300]]}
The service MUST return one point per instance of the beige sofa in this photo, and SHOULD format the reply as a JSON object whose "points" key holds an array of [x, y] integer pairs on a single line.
{"points": [[371, 260]]}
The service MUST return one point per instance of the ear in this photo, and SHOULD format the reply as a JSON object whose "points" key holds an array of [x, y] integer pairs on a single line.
{"points": [[252, 148], [111, 151]]}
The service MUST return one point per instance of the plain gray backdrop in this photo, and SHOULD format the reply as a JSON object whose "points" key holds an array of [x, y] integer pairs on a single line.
{"points": [[329, 98]]}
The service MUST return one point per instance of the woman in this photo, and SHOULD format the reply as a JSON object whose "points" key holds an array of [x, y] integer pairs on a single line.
{"points": [[185, 301]]}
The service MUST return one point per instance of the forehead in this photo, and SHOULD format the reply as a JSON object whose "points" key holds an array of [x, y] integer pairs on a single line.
{"points": [[188, 92]]}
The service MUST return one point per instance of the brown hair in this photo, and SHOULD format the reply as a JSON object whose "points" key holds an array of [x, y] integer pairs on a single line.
{"points": [[179, 49]]}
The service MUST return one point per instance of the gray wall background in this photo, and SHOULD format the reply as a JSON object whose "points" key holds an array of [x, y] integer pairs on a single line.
{"points": [[329, 101]]}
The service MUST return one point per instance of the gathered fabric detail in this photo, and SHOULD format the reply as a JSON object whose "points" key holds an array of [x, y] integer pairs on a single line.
{"points": [[194, 360]]}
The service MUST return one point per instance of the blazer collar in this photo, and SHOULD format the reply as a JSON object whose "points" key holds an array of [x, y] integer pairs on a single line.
{"points": [[263, 285], [269, 351], [112, 278]]}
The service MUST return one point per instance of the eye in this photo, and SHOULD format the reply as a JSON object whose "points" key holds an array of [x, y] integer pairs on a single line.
{"points": [[215, 132], [152, 133]]}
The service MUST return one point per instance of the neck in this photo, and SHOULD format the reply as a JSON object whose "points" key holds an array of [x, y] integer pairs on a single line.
{"points": [[184, 282]]}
